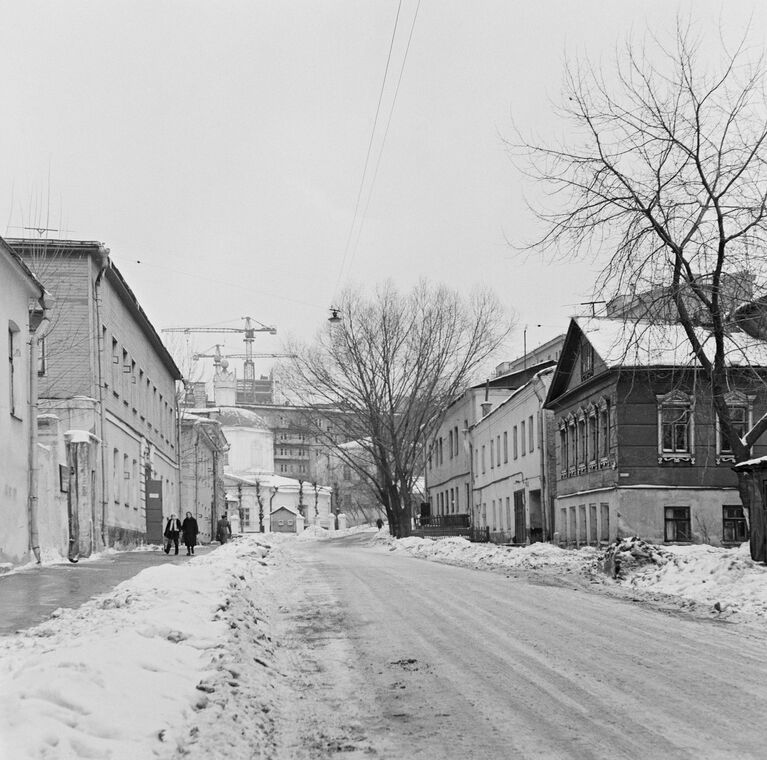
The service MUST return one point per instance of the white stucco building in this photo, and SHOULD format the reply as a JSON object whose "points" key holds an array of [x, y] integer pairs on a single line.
{"points": [[511, 445], [22, 299]]}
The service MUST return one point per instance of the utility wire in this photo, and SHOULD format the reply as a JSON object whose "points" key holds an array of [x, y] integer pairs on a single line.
{"points": [[370, 148], [386, 133]]}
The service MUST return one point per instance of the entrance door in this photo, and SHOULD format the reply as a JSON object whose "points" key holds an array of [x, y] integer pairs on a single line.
{"points": [[520, 533], [154, 526]]}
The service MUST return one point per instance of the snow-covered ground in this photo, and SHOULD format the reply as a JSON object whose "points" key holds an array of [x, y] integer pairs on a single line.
{"points": [[179, 661], [721, 582], [136, 673]]}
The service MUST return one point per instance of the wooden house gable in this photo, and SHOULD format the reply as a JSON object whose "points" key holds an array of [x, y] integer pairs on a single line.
{"points": [[579, 362]]}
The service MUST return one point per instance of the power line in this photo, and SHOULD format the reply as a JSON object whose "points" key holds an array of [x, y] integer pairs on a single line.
{"points": [[386, 133], [370, 147]]}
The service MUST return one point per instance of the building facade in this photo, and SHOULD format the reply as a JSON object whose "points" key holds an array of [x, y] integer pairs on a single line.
{"points": [[512, 492], [452, 451], [22, 301], [110, 381], [639, 450], [203, 453]]}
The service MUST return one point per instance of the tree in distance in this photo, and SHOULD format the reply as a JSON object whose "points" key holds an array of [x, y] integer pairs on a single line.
{"points": [[385, 374]]}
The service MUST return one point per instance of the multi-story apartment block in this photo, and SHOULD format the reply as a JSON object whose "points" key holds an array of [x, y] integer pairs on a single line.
{"points": [[512, 493], [22, 302], [639, 449], [107, 376]]}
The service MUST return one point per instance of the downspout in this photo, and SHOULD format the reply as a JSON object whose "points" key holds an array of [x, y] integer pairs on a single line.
{"points": [[542, 441], [103, 264], [46, 301]]}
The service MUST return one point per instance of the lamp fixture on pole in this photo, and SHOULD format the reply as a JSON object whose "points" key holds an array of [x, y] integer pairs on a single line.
{"points": [[334, 317]]}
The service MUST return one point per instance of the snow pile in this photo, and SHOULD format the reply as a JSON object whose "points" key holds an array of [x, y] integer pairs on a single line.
{"points": [[460, 551], [627, 555], [724, 581], [128, 673], [718, 581], [313, 533]]}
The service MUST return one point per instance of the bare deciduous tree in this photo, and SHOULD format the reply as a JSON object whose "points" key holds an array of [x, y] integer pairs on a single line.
{"points": [[390, 367], [664, 172]]}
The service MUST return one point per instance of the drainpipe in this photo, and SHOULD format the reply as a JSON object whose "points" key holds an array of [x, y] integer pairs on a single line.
{"points": [[542, 443], [46, 301], [103, 263]]}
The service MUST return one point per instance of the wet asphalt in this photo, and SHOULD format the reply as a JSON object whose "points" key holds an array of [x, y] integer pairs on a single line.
{"points": [[28, 597]]}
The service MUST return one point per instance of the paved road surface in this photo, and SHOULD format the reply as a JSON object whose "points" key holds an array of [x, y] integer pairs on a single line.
{"points": [[403, 658], [29, 597]]}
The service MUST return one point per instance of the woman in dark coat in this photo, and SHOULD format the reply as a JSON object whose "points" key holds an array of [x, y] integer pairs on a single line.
{"points": [[190, 530]]}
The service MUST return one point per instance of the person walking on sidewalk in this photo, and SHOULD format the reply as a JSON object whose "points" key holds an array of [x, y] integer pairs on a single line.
{"points": [[223, 529], [190, 530], [172, 532]]}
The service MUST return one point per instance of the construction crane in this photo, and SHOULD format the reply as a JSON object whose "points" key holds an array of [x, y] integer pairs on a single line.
{"points": [[218, 356], [249, 370]]}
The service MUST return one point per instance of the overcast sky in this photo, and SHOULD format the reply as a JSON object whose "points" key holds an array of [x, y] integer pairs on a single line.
{"points": [[222, 145]]}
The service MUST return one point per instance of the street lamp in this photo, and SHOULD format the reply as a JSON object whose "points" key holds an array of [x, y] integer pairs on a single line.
{"points": [[334, 317]]}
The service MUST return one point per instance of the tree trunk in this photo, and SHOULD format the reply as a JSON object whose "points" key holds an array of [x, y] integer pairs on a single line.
{"points": [[752, 498]]}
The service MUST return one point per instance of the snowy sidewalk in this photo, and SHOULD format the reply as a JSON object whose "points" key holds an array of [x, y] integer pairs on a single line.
{"points": [[28, 595], [134, 673]]}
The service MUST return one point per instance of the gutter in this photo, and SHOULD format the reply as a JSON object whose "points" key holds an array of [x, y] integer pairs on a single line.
{"points": [[46, 301]]}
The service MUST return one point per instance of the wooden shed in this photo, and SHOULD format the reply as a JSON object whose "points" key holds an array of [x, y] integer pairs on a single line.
{"points": [[283, 520]]}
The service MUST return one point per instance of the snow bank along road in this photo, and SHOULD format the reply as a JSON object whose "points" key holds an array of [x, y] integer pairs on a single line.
{"points": [[394, 657], [285, 648]]}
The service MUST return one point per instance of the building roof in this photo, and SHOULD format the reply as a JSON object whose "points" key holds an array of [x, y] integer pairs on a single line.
{"points": [[96, 249], [21, 264], [237, 416], [626, 343], [632, 344], [543, 375]]}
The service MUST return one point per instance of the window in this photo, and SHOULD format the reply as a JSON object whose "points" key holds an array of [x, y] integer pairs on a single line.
{"points": [[483, 459], [116, 480], [604, 430], [740, 408], [734, 529], [675, 428], [498, 450], [492, 454], [587, 361], [581, 441], [563, 449], [505, 447], [572, 447], [42, 356], [450, 445], [522, 436], [593, 436], [514, 441], [455, 439], [13, 369], [246, 517], [530, 434], [126, 481], [677, 524]]}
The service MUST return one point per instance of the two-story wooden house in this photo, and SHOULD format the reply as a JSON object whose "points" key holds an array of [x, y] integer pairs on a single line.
{"points": [[639, 450]]}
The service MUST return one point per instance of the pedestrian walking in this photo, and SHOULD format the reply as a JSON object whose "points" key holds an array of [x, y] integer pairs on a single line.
{"points": [[379, 523], [172, 532], [223, 529], [190, 530]]}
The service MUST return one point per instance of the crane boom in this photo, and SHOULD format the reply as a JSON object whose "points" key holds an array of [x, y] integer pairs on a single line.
{"points": [[249, 336]]}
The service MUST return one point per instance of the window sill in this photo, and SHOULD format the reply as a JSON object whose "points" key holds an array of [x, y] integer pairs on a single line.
{"points": [[725, 459]]}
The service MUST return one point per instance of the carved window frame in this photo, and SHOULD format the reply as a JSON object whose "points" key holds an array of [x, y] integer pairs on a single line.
{"points": [[676, 400]]}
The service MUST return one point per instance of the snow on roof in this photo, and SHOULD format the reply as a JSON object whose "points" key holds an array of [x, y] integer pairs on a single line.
{"points": [[627, 343]]}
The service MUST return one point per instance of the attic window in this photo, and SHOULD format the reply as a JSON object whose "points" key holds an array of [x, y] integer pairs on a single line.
{"points": [[587, 361]]}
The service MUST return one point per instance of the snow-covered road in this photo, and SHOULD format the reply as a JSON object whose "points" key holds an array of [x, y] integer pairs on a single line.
{"points": [[399, 658]]}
